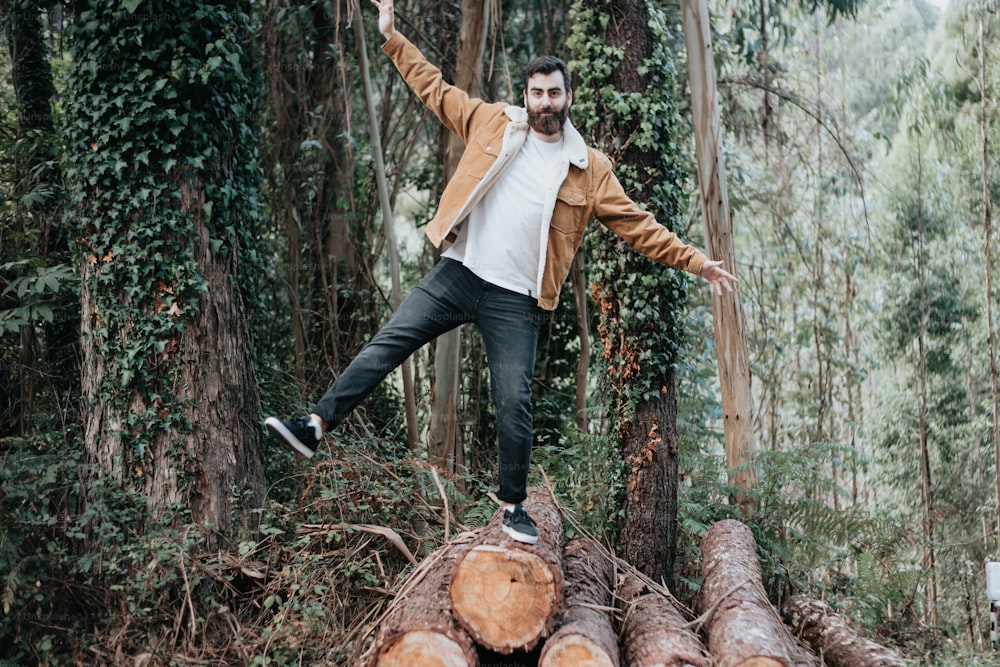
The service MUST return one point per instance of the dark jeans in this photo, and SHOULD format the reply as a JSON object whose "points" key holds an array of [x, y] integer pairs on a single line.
{"points": [[448, 296]]}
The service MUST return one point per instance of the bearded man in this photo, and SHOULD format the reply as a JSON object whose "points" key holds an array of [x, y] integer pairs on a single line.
{"points": [[510, 221]]}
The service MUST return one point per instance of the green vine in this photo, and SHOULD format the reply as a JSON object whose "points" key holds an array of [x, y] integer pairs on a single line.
{"points": [[641, 302], [159, 104]]}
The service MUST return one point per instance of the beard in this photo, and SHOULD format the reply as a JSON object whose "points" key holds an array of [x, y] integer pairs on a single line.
{"points": [[547, 121]]}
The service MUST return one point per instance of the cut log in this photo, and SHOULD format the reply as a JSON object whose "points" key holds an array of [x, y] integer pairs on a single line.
{"points": [[507, 594], [419, 630], [829, 634], [743, 629], [586, 635], [654, 633]]}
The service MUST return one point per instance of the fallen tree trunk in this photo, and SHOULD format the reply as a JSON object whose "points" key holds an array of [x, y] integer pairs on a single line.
{"points": [[654, 633], [419, 629], [743, 629], [830, 636], [507, 594], [586, 634]]}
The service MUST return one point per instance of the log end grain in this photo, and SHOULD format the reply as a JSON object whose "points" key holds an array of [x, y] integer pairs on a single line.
{"points": [[504, 597], [423, 649], [574, 651]]}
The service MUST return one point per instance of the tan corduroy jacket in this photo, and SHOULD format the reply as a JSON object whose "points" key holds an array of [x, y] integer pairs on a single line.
{"points": [[493, 133]]}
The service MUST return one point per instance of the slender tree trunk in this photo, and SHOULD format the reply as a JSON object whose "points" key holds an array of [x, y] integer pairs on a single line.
{"points": [[991, 336], [412, 431], [46, 356], [444, 438], [927, 502], [730, 327]]}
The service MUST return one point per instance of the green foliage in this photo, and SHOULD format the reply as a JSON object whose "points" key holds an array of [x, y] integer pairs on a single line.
{"points": [[641, 303], [87, 574], [588, 477], [36, 290]]}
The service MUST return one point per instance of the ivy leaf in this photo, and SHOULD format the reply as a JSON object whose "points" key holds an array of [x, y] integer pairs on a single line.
{"points": [[131, 5]]}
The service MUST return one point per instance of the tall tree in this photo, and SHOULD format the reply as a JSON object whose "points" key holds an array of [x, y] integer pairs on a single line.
{"points": [[162, 184], [629, 108], [730, 328]]}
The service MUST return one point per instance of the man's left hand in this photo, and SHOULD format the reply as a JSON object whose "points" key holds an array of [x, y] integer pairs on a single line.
{"points": [[719, 280]]}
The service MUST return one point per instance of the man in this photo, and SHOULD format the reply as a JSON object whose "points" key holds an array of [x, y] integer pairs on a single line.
{"points": [[511, 218]]}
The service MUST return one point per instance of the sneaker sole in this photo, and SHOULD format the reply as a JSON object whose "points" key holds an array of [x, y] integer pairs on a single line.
{"points": [[278, 429], [520, 537]]}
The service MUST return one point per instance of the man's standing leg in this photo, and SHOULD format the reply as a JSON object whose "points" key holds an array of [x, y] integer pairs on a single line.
{"points": [[508, 323]]}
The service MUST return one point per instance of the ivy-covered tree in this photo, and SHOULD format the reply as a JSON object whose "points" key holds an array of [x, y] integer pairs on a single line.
{"points": [[625, 103], [162, 177]]}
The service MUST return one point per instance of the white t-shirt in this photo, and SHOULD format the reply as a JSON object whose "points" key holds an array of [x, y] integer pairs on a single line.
{"points": [[501, 239]]}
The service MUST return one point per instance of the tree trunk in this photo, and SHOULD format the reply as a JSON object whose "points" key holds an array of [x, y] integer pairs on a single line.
{"points": [[991, 335], [44, 359], [507, 594], [653, 632], [168, 381], [648, 527], [420, 630], [730, 326], [586, 635], [444, 438], [409, 392], [648, 520], [743, 628], [830, 636]]}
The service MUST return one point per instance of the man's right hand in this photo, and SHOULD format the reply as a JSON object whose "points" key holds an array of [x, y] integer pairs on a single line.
{"points": [[386, 19]]}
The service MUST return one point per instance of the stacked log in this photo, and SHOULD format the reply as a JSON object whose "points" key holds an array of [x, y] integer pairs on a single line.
{"points": [[654, 633], [419, 630], [586, 635], [743, 628], [485, 594], [507, 594], [832, 637]]}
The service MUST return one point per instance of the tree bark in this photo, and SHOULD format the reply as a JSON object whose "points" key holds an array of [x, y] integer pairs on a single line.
{"points": [[507, 594], [585, 635], [420, 630], [653, 632], [830, 636], [167, 376], [743, 628], [730, 326]]}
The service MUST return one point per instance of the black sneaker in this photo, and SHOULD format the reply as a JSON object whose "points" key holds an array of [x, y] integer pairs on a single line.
{"points": [[519, 525], [301, 433]]}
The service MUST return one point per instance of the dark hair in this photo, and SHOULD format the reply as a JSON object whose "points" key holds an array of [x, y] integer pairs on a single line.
{"points": [[545, 65]]}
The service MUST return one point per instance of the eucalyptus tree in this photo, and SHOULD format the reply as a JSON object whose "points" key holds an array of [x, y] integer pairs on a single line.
{"points": [[162, 192]]}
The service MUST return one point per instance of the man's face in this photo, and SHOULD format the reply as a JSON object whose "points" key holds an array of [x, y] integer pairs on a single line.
{"points": [[547, 102]]}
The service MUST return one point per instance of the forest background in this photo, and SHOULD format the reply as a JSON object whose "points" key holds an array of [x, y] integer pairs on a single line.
{"points": [[192, 238]]}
